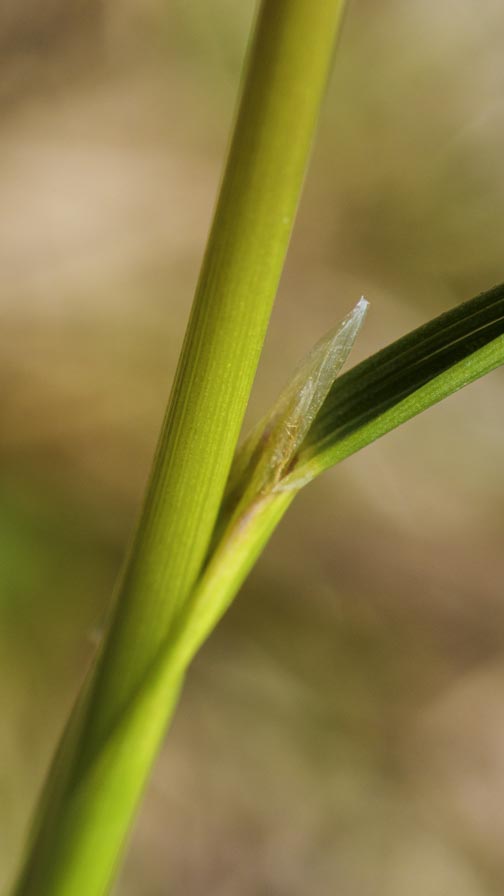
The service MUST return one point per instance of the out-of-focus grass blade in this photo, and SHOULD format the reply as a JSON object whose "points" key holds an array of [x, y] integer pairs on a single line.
{"points": [[402, 380]]}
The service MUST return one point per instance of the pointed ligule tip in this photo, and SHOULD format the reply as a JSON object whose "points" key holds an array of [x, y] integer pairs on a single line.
{"points": [[270, 450], [356, 317]]}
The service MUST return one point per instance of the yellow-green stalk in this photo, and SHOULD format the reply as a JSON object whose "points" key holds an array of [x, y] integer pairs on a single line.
{"points": [[99, 772]]}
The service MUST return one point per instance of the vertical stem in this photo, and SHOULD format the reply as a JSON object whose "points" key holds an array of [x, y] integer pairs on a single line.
{"points": [[125, 711], [288, 69]]}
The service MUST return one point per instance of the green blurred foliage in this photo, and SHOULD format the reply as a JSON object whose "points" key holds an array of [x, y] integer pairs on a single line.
{"points": [[342, 731]]}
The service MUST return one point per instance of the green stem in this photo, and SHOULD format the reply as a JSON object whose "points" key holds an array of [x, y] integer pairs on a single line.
{"points": [[289, 64], [100, 773]]}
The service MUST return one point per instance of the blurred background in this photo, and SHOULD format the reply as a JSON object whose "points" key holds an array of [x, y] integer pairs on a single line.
{"points": [[342, 732]]}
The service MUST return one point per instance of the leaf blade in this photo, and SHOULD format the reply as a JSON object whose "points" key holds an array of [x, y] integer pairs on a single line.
{"points": [[430, 363]]}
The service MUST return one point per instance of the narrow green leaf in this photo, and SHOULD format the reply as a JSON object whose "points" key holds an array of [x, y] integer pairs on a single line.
{"points": [[377, 395], [404, 379]]}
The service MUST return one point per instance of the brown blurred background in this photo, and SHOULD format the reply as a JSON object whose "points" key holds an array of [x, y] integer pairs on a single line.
{"points": [[343, 731]]}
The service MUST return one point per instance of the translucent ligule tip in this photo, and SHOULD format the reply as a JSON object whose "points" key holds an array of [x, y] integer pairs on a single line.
{"points": [[277, 438], [316, 375], [327, 358]]}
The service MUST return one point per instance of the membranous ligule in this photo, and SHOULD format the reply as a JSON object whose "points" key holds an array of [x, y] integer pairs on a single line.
{"points": [[270, 449]]}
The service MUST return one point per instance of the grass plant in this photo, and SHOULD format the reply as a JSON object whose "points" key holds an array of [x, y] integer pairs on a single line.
{"points": [[206, 518]]}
